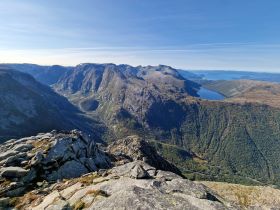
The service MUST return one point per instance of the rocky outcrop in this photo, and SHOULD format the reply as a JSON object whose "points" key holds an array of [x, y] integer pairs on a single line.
{"points": [[135, 185], [134, 148], [67, 170], [47, 158]]}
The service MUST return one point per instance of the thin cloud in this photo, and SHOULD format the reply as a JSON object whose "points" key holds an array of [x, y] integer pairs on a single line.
{"points": [[223, 56]]}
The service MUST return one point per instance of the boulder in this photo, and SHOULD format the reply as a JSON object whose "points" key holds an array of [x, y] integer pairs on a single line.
{"points": [[71, 169], [30, 176], [7, 154], [60, 148], [16, 192], [138, 172], [16, 159], [90, 164], [37, 159], [12, 172], [167, 175], [23, 147]]}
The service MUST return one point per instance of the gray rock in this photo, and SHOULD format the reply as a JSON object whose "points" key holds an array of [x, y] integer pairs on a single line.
{"points": [[91, 149], [167, 175], [79, 148], [71, 169], [126, 169], [135, 197], [59, 149], [31, 175], [138, 172], [7, 154], [186, 187], [53, 176], [16, 159], [16, 192], [90, 164], [37, 159], [23, 147], [13, 172], [59, 205]]}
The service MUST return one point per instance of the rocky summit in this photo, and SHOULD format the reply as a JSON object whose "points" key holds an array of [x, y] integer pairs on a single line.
{"points": [[27, 162], [68, 170]]}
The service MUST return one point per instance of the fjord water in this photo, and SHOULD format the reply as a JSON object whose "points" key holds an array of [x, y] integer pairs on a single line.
{"points": [[205, 93]]}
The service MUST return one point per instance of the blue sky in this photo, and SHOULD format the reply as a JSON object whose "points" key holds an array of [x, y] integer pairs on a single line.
{"points": [[188, 34]]}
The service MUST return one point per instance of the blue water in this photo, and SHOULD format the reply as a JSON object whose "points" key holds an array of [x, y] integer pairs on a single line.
{"points": [[209, 94]]}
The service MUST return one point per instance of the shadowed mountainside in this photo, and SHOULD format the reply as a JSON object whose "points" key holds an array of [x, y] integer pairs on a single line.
{"points": [[28, 107]]}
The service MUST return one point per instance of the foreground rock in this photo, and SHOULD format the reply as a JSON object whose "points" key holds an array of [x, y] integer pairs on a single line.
{"points": [[47, 158], [135, 185], [56, 171]]}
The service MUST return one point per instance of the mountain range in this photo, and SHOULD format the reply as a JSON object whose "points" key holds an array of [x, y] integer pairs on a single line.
{"points": [[209, 140]]}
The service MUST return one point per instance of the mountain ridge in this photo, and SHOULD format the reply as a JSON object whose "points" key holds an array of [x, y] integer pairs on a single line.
{"points": [[217, 138]]}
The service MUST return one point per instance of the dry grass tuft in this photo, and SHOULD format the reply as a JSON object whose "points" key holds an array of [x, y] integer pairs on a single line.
{"points": [[87, 180], [96, 193], [79, 205], [43, 144], [27, 199]]}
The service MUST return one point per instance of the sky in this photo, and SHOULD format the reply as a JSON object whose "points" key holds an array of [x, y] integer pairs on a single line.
{"points": [[186, 34]]}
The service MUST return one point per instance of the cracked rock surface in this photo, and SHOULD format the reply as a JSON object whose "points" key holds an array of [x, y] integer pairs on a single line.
{"points": [[123, 187]]}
